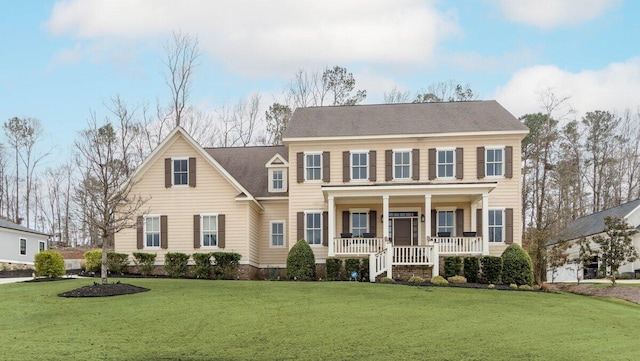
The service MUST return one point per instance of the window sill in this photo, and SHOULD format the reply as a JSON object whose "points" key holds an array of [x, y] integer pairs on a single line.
{"points": [[209, 247], [277, 247]]}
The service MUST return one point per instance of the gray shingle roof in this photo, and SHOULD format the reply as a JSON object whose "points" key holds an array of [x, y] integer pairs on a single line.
{"points": [[594, 223], [399, 119], [17, 227], [247, 166]]}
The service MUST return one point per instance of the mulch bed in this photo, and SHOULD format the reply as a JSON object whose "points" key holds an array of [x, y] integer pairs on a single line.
{"points": [[99, 290]]}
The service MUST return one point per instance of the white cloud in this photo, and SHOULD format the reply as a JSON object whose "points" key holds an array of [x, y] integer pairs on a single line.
{"points": [[548, 14], [613, 88], [258, 37]]}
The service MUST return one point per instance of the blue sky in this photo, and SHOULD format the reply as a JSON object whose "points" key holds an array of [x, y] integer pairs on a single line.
{"points": [[63, 59]]}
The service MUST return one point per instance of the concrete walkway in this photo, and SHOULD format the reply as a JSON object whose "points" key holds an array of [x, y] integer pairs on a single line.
{"points": [[14, 279]]}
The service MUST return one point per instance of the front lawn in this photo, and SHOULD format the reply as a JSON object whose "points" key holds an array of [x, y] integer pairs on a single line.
{"points": [[238, 320]]}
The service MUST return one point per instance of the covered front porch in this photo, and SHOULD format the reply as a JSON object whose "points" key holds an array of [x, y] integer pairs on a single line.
{"points": [[408, 224]]}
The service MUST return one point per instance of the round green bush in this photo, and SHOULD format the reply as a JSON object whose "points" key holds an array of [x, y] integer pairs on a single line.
{"points": [[301, 263], [491, 286], [513, 286], [175, 264], [416, 279], [387, 280], [525, 288], [49, 264], [439, 281], [93, 260], [516, 266], [117, 262], [457, 279]]}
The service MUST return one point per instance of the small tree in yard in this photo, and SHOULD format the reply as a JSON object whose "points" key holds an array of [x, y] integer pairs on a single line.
{"points": [[616, 248], [105, 189], [301, 263], [584, 258], [557, 257]]}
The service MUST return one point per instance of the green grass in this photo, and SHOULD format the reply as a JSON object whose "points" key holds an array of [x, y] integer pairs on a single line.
{"points": [[238, 320]]}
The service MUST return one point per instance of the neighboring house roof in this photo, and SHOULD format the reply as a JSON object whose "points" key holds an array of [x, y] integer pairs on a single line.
{"points": [[17, 227], [594, 223], [402, 119], [247, 166]]}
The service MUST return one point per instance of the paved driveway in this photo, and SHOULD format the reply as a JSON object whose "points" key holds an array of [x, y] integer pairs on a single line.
{"points": [[14, 279]]}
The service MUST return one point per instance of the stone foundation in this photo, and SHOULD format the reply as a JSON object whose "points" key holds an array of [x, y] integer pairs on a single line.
{"points": [[403, 273]]}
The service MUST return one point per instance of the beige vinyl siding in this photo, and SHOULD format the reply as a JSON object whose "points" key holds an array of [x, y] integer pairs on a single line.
{"points": [[275, 210], [212, 194], [308, 196], [253, 219]]}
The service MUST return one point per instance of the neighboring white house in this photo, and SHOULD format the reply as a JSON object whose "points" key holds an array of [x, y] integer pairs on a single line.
{"points": [[590, 226], [19, 244]]}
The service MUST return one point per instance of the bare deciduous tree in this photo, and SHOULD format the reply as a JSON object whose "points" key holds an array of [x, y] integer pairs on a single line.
{"points": [[182, 54], [396, 96]]}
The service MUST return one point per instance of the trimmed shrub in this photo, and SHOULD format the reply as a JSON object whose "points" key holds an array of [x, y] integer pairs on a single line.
{"points": [[525, 288], [387, 280], [439, 281], [334, 266], [513, 286], [175, 264], [516, 266], [226, 265], [536, 287], [117, 262], [491, 286], [145, 262], [202, 267], [301, 263], [364, 270], [416, 280], [471, 268], [452, 266], [93, 260], [457, 279], [49, 264], [352, 265], [491, 269]]}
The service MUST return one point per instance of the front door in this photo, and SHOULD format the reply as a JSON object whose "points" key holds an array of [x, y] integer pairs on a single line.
{"points": [[402, 231]]}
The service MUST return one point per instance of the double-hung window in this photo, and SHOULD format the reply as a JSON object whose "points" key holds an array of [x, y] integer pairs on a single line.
{"points": [[359, 165], [496, 225], [277, 234], [313, 228], [180, 171], [313, 166], [23, 246], [42, 246], [445, 222], [494, 162], [446, 163], [209, 232], [359, 223], [278, 180], [401, 164], [152, 231]]}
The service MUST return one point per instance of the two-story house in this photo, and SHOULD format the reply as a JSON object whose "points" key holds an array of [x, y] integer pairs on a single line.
{"points": [[402, 184]]}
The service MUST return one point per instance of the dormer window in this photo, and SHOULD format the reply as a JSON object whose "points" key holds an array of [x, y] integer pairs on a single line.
{"points": [[277, 180]]}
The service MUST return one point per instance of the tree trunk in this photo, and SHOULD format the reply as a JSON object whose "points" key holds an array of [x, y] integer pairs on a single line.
{"points": [[103, 268]]}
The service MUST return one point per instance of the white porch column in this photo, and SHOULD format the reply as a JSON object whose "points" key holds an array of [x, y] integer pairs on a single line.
{"points": [[485, 224], [474, 211], [332, 226], [389, 262], [427, 218], [385, 217]]}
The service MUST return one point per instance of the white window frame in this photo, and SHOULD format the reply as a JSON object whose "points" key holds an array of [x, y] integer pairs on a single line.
{"points": [[409, 165], [147, 216], [306, 167], [173, 171], [453, 220], [453, 163], [502, 226], [272, 179], [307, 229], [42, 246], [360, 166], [487, 163], [271, 234], [366, 221], [215, 232], [20, 242]]}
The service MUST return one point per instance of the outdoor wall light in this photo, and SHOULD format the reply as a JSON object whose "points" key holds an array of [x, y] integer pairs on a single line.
{"points": [[382, 218], [422, 218]]}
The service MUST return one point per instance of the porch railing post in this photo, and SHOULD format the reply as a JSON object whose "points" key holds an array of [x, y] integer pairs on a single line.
{"points": [[332, 226], [372, 267], [436, 260], [389, 247]]}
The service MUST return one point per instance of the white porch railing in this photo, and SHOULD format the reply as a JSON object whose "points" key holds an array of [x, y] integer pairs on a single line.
{"points": [[357, 245], [377, 264], [458, 245], [413, 255]]}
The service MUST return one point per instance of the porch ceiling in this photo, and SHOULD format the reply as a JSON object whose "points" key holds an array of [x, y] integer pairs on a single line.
{"points": [[372, 193]]}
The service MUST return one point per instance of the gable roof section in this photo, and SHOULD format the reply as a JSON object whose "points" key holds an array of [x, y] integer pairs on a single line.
{"points": [[402, 119], [179, 131], [248, 165], [594, 223], [17, 227]]}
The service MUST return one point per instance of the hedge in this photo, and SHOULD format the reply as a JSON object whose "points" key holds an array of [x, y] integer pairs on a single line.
{"points": [[452, 266], [175, 264], [516, 266], [334, 266], [491, 269], [471, 268], [49, 264], [93, 260], [301, 263], [202, 267], [226, 265], [145, 262], [117, 262]]}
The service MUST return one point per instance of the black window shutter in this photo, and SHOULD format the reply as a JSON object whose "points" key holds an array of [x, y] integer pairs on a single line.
{"points": [[434, 224], [480, 158], [508, 237], [300, 166], [196, 231], [373, 222], [346, 166], [388, 165], [459, 222], [415, 159], [325, 229], [192, 172], [326, 167], [222, 230], [300, 226], [140, 232], [432, 163], [164, 234], [479, 222], [372, 165], [459, 163], [508, 162], [167, 172], [345, 222]]}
